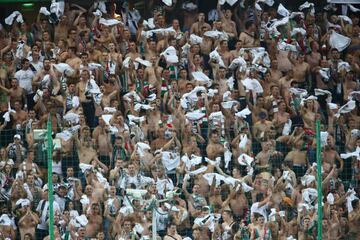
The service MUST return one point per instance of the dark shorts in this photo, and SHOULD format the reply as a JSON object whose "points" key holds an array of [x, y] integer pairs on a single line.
{"points": [[299, 171]]}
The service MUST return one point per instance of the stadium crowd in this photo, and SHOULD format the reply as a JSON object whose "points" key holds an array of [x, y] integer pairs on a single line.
{"points": [[204, 121]]}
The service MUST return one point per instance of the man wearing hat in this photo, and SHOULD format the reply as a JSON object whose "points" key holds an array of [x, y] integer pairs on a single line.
{"points": [[16, 151]]}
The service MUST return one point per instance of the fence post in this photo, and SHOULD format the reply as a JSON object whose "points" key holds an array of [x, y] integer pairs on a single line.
{"points": [[319, 180], [50, 184]]}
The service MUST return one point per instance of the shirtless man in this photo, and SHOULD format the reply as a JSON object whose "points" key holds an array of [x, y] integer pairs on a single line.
{"points": [[236, 52], [61, 29], [85, 101], [308, 114], [224, 52], [263, 157], [221, 80], [160, 141], [285, 83], [275, 72], [95, 220], [301, 70], [207, 43], [150, 49], [47, 69], [133, 53], [331, 155], [20, 115], [85, 151], [227, 24], [354, 219], [349, 84], [237, 202], [151, 73], [73, 60], [172, 233], [247, 38], [196, 28], [261, 126], [94, 54], [298, 158], [28, 222], [71, 40], [102, 141], [114, 55], [214, 149], [154, 116], [16, 92]]}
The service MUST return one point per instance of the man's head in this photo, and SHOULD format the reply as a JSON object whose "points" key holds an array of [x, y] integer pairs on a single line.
{"points": [[201, 17], [25, 63], [70, 172], [250, 26], [30, 179]]}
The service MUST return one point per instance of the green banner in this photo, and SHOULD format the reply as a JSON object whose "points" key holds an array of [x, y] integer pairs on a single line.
{"points": [[50, 183], [319, 180]]}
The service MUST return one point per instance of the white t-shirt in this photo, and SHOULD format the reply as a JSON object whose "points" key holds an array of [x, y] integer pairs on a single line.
{"points": [[43, 210], [260, 210], [38, 66], [25, 78]]}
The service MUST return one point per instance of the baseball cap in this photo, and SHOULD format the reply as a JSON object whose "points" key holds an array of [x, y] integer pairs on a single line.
{"points": [[17, 136]]}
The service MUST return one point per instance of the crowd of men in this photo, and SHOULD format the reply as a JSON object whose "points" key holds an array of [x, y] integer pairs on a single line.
{"points": [[194, 124]]}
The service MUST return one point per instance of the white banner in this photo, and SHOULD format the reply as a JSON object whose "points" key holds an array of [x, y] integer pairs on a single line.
{"points": [[344, 1]]}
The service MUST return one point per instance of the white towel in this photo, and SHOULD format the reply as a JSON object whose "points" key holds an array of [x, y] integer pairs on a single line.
{"points": [[214, 55], [64, 68], [43, 10], [140, 106], [23, 202], [330, 198], [167, 2], [283, 11], [306, 5], [143, 62], [298, 30], [195, 39], [170, 160], [245, 160], [267, 2], [345, 18], [209, 177], [110, 22], [344, 66], [307, 179], [309, 195], [201, 77], [287, 128], [338, 41], [286, 46], [10, 19], [353, 9], [170, 55], [350, 198], [238, 62], [195, 115], [356, 154], [243, 141], [227, 155], [85, 167], [348, 107], [72, 117], [252, 84], [243, 113], [5, 220], [354, 95], [142, 147]]}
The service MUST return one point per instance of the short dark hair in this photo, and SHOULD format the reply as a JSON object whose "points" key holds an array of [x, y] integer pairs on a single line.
{"points": [[248, 23]]}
